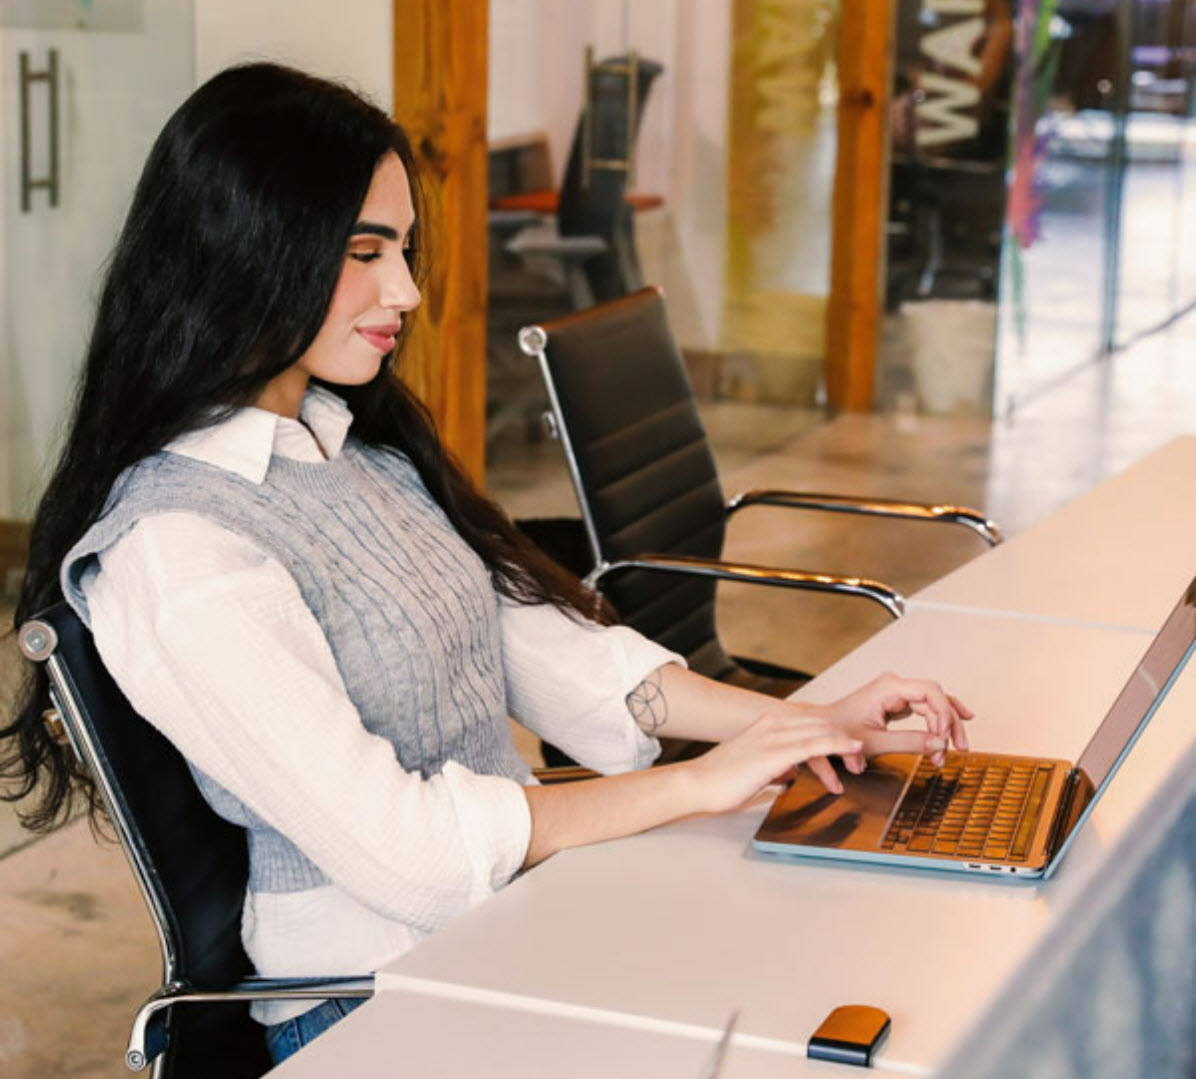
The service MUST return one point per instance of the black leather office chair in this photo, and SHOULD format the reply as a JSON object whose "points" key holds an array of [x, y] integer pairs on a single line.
{"points": [[653, 516], [553, 252], [192, 867], [594, 234]]}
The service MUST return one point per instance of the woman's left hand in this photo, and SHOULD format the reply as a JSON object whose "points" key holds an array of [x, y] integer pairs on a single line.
{"points": [[866, 713]]}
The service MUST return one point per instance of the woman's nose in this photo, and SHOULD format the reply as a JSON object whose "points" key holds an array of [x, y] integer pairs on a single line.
{"points": [[400, 290]]}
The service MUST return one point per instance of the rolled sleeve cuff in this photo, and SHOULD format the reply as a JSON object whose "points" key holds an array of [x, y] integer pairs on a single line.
{"points": [[568, 681], [637, 657], [496, 826]]}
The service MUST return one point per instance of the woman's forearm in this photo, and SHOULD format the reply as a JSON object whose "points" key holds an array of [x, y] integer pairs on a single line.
{"points": [[722, 779], [591, 811], [677, 703], [760, 740]]}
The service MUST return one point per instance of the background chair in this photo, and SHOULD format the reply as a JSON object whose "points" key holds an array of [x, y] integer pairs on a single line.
{"points": [[594, 235], [552, 252], [653, 515], [192, 867]]}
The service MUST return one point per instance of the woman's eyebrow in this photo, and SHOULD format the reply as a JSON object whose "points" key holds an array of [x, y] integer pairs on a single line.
{"points": [[370, 228]]}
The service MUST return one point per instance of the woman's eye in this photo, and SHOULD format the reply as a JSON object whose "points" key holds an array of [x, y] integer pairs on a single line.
{"points": [[365, 256]]}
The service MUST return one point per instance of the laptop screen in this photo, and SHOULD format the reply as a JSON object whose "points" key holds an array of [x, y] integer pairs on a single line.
{"points": [[1150, 680]]}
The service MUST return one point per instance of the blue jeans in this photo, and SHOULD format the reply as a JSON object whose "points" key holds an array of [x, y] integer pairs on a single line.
{"points": [[291, 1035]]}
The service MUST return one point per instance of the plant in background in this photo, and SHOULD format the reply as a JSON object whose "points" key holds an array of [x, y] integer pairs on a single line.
{"points": [[1037, 58]]}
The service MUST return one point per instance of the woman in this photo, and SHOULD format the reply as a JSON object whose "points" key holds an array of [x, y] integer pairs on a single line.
{"points": [[287, 575]]}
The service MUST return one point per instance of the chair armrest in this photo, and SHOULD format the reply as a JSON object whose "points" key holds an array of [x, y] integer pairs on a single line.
{"points": [[148, 1037], [504, 220], [872, 507], [891, 600], [563, 773], [545, 240]]}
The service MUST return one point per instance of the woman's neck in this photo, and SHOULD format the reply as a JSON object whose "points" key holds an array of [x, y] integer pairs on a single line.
{"points": [[284, 393]]}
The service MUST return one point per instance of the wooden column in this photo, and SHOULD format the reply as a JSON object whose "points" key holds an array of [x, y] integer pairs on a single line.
{"points": [[440, 51], [14, 552], [860, 203]]}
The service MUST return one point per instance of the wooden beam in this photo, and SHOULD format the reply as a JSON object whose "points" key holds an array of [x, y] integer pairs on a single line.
{"points": [[440, 54], [860, 203], [14, 553]]}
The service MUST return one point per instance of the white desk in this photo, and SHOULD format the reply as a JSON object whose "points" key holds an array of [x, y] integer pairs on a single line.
{"points": [[682, 925], [632, 954], [1118, 555], [429, 1037]]}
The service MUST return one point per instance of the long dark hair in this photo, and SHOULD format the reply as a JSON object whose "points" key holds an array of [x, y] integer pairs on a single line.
{"points": [[219, 281]]}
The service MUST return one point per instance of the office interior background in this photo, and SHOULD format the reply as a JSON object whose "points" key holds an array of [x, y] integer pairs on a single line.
{"points": [[1027, 321]]}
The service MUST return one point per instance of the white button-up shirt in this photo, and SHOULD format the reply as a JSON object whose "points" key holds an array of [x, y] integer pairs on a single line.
{"points": [[211, 641]]}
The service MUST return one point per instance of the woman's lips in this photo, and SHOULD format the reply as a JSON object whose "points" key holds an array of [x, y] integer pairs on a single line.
{"points": [[381, 337]]}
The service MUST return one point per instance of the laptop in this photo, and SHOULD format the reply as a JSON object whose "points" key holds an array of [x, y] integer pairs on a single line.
{"points": [[979, 812]]}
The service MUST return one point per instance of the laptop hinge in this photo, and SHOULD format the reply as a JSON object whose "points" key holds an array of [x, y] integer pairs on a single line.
{"points": [[1077, 793]]}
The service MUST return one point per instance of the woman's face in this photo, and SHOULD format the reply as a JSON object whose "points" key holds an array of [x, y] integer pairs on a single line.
{"points": [[374, 291]]}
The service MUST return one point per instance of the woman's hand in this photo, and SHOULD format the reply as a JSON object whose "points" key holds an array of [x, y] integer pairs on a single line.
{"points": [[866, 714], [763, 741], [783, 737]]}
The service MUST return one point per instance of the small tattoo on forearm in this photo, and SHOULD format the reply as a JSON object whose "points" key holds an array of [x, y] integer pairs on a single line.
{"points": [[647, 704]]}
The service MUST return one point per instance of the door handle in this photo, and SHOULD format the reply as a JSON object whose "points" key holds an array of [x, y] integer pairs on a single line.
{"points": [[49, 182]]}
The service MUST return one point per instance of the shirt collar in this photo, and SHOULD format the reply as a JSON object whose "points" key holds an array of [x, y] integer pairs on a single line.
{"points": [[244, 442]]}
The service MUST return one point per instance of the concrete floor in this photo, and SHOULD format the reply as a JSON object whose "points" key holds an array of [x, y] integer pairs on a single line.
{"points": [[77, 953]]}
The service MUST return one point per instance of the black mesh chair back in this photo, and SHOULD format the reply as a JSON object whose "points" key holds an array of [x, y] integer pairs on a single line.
{"points": [[646, 477], [192, 865]]}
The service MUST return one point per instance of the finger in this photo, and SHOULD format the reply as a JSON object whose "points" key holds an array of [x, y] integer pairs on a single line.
{"points": [[824, 770], [941, 714], [944, 713], [933, 720], [905, 741], [958, 735], [964, 711], [943, 720], [833, 743], [897, 706]]}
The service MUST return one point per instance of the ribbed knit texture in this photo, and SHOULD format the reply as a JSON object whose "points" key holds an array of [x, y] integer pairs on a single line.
{"points": [[406, 605]]}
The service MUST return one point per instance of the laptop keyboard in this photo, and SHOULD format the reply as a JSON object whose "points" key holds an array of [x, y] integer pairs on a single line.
{"points": [[974, 807]]}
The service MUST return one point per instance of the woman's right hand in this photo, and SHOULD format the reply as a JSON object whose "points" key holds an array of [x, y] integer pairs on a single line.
{"points": [[782, 738]]}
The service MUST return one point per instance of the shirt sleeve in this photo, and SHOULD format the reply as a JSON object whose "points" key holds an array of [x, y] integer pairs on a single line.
{"points": [[211, 641], [568, 680]]}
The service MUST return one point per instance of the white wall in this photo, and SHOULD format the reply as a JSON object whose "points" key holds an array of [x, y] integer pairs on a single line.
{"points": [[692, 266], [116, 89], [7, 502], [350, 41]]}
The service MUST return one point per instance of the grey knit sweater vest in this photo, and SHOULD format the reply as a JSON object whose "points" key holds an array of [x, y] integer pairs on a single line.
{"points": [[406, 605]]}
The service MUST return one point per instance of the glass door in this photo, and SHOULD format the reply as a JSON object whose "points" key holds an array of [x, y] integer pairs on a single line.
{"points": [[86, 85], [1155, 272], [1063, 194]]}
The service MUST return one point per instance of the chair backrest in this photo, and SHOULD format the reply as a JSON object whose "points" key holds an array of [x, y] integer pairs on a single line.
{"points": [[642, 468], [591, 202], [596, 177], [191, 864]]}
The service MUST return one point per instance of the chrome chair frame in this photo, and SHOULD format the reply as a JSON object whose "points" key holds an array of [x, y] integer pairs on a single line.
{"points": [[533, 342], [149, 1037]]}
